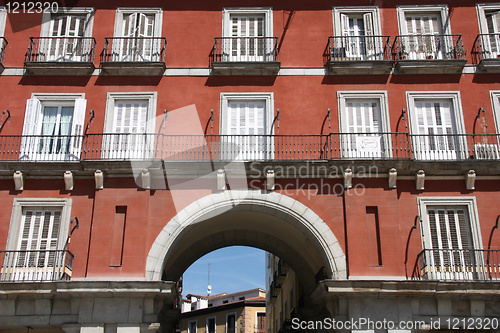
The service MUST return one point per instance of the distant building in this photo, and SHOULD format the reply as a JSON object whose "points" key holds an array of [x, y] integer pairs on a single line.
{"points": [[244, 311]]}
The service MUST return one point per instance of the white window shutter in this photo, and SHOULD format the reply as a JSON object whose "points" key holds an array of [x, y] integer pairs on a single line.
{"points": [[31, 127], [369, 33], [344, 24], [75, 148], [368, 23]]}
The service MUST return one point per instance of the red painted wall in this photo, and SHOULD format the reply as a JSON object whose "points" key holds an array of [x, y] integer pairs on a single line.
{"points": [[190, 28]]}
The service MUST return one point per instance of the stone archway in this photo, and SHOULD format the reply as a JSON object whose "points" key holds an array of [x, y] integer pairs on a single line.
{"points": [[271, 221]]}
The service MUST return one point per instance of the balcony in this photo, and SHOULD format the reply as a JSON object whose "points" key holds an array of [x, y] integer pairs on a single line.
{"points": [[245, 56], [486, 52], [458, 265], [60, 56], [214, 147], [429, 54], [3, 46], [36, 265], [134, 56], [351, 55]]}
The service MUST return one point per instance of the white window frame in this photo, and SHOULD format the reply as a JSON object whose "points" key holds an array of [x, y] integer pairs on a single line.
{"points": [[87, 11], [52, 100], [257, 319], [107, 141], [157, 12], [360, 10], [38, 203], [215, 321], [469, 202], [151, 97], [454, 97], [190, 322], [482, 9], [441, 10], [227, 12], [269, 101], [235, 321], [28, 271], [381, 96]]}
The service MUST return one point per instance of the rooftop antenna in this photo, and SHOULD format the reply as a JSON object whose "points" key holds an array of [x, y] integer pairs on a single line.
{"points": [[209, 288]]}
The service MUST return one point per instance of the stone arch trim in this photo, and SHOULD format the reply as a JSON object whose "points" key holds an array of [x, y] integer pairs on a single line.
{"points": [[274, 203]]}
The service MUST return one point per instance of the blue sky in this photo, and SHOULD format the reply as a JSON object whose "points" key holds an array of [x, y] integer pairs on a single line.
{"points": [[232, 269]]}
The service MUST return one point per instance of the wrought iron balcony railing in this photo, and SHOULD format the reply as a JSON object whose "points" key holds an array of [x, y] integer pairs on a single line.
{"points": [[3, 46], [61, 49], [36, 265], [359, 48], [457, 265], [134, 49], [486, 46], [334, 146], [428, 47], [245, 49]]}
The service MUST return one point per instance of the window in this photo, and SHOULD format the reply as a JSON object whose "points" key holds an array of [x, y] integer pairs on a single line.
{"points": [[136, 34], [192, 325], [246, 32], [359, 28], [261, 322], [37, 237], [211, 325], [489, 25], [436, 122], [62, 35], [129, 125], [231, 323], [450, 231], [246, 126], [364, 124], [424, 29], [53, 127]]}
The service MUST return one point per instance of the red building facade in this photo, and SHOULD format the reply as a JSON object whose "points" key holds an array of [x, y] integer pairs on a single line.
{"points": [[357, 143]]}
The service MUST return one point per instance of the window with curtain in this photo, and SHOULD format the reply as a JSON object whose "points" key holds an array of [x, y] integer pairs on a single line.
{"points": [[53, 129]]}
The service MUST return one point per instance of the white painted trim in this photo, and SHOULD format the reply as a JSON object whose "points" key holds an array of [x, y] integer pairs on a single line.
{"points": [[337, 29], [158, 12], [87, 11], [38, 203], [481, 9], [441, 10], [228, 11], [152, 98], [495, 105], [226, 97], [469, 202]]}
